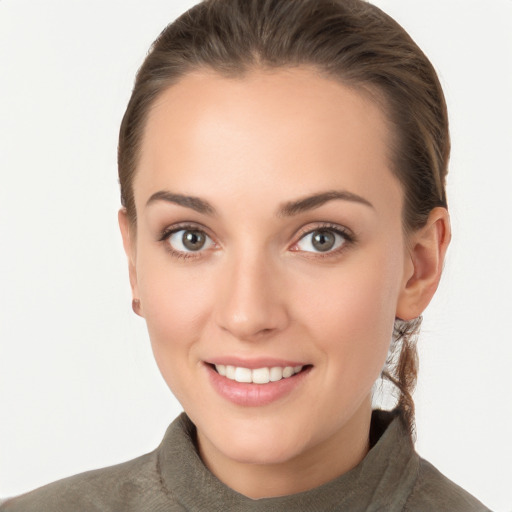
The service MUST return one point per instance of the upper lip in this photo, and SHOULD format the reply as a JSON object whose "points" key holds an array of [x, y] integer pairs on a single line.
{"points": [[253, 363]]}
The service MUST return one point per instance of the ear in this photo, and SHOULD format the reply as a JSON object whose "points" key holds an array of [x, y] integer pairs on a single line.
{"points": [[424, 264], [128, 234]]}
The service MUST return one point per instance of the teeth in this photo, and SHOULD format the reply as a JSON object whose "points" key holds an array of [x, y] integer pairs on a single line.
{"points": [[276, 373], [230, 372], [288, 372], [260, 376], [243, 374], [257, 376]]}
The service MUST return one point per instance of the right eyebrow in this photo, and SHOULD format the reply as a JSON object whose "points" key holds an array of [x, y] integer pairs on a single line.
{"points": [[195, 203]]}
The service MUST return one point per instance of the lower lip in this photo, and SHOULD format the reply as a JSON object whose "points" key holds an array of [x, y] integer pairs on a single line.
{"points": [[254, 395]]}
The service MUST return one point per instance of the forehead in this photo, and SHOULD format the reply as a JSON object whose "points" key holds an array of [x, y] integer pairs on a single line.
{"points": [[267, 130]]}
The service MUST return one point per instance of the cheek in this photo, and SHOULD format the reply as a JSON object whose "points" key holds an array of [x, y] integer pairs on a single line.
{"points": [[170, 307], [352, 316], [175, 305]]}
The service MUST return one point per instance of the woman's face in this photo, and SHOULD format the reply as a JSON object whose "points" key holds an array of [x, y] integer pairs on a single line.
{"points": [[269, 237]]}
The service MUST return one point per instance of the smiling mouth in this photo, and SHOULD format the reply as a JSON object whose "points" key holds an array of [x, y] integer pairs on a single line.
{"points": [[262, 375]]}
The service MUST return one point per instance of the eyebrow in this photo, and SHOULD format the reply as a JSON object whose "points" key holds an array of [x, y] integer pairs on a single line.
{"points": [[316, 200], [195, 203], [287, 209]]}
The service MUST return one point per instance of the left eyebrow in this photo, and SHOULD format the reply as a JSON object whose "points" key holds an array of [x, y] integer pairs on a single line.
{"points": [[316, 200]]}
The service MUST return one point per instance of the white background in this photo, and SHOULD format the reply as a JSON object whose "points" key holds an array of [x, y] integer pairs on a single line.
{"points": [[78, 385]]}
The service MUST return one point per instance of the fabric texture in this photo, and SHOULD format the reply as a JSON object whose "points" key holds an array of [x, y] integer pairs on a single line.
{"points": [[392, 477]]}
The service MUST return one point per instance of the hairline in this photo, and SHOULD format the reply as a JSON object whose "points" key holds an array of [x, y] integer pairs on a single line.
{"points": [[368, 91]]}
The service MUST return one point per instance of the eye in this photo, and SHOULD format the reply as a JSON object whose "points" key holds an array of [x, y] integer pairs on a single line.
{"points": [[189, 240], [322, 240]]}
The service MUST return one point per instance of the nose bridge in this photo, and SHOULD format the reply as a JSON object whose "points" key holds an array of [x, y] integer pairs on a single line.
{"points": [[251, 301]]}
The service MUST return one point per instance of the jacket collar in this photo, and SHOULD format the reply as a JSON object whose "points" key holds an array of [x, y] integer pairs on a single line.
{"points": [[382, 481]]}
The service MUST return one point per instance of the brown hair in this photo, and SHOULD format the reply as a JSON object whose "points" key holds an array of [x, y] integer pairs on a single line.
{"points": [[351, 41]]}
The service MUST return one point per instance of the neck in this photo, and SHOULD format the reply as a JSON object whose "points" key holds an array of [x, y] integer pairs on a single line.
{"points": [[313, 467]]}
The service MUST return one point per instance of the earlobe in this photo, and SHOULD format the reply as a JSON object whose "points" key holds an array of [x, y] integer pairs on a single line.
{"points": [[127, 233], [424, 265]]}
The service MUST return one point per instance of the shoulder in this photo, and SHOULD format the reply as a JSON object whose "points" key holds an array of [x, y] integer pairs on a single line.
{"points": [[130, 486], [434, 491], [415, 485]]}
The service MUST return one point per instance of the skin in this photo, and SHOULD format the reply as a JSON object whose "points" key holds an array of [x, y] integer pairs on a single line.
{"points": [[259, 288]]}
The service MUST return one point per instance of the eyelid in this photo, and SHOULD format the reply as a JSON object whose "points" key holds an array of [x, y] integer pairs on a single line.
{"points": [[192, 226], [167, 232], [347, 234], [341, 230], [317, 226]]}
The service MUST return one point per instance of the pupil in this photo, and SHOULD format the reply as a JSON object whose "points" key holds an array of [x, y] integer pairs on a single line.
{"points": [[193, 240], [323, 240]]}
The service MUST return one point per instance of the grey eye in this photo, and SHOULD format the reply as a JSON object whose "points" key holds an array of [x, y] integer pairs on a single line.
{"points": [[321, 240], [189, 240]]}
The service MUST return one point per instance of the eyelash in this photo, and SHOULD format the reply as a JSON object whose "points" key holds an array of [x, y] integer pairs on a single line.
{"points": [[166, 233], [349, 239]]}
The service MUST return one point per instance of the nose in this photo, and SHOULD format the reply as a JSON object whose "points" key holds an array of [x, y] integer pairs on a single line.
{"points": [[251, 303]]}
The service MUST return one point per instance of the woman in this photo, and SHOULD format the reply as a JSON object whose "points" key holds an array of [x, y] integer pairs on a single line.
{"points": [[282, 169]]}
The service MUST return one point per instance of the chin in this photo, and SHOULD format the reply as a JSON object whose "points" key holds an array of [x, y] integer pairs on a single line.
{"points": [[263, 451], [257, 441]]}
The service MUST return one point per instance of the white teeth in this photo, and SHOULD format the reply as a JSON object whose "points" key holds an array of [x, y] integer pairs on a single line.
{"points": [[230, 372], [258, 375], [261, 376], [287, 372], [243, 374], [276, 373]]}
